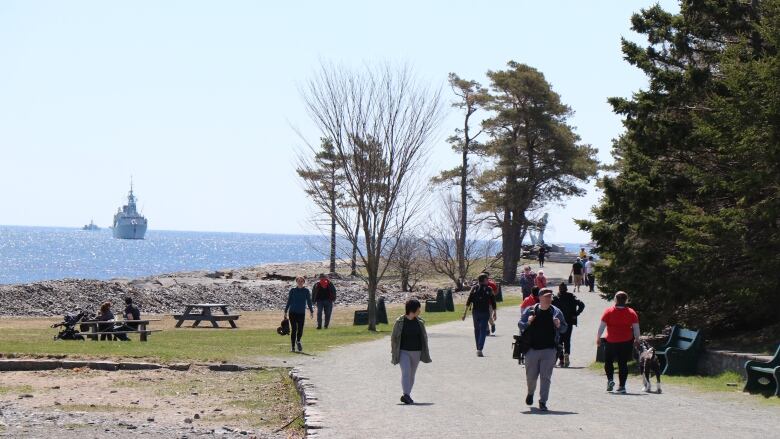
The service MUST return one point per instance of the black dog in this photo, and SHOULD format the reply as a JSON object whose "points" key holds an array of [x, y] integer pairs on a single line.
{"points": [[648, 362]]}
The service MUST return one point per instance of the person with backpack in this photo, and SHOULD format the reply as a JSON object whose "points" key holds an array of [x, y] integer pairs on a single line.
{"points": [[527, 281], [409, 346], [483, 304], [576, 273], [324, 294], [571, 307], [298, 299], [542, 324], [622, 325]]}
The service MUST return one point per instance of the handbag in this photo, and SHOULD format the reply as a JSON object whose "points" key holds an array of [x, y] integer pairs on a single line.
{"points": [[570, 279]]}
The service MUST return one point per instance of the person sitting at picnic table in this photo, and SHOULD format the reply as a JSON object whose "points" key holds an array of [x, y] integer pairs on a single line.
{"points": [[106, 315], [131, 313]]}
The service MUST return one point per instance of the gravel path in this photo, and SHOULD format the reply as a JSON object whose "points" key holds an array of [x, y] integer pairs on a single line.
{"points": [[460, 395]]}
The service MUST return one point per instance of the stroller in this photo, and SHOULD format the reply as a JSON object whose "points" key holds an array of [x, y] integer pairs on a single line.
{"points": [[69, 322]]}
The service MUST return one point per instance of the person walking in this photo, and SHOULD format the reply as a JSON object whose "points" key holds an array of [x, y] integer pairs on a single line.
{"points": [[409, 346], [324, 294], [540, 280], [494, 287], [298, 299], [571, 307], [531, 300], [576, 274], [542, 253], [483, 304], [622, 325], [590, 274], [545, 323], [527, 281]]}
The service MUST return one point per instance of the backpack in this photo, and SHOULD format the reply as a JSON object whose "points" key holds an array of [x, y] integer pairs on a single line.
{"points": [[284, 328]]}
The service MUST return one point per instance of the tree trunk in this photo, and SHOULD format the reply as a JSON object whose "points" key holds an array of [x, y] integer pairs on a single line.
{"points": [[511, 248], [372, 287], [354, 249], [460, 246], [333, 233]]}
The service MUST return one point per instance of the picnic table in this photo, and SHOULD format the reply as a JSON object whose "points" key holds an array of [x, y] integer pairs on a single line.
{"points": [[206, 314], [94, 328]]}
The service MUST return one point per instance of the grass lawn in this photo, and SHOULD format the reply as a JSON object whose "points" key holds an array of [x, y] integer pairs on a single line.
{"points": [[255, 338], [726, 382]]}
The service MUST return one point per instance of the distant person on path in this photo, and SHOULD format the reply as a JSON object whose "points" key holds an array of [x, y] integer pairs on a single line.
{"points": [[527, 281], [298, 300], [483, 304], [409, 346], [583, 254], [590, 270], [622, 325], [324, 294], [542, 254], [571, 307], [540, 280], [576, 274], [546, 323]]}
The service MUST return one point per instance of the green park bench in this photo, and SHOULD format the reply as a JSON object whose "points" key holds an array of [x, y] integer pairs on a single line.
{"points": [[762, 375], [361, 315], [443, 302], [680, 354]]}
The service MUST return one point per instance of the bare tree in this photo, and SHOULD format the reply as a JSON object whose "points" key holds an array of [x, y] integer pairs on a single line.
{"points": [[381, 122], [442, 242], [408, 261]]}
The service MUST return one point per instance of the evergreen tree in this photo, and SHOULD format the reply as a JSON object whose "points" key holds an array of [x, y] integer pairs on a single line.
{"points": [[689, 222], [536, 156]]}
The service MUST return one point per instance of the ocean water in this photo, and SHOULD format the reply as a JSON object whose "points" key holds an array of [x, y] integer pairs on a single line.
{"points": [[29, 254]]}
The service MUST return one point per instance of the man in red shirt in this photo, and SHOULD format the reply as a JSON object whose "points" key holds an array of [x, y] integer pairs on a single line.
{"points": [[622, 325]]}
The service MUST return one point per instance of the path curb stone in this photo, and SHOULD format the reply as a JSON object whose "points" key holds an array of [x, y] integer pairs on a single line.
{"points": [[312, 418]]}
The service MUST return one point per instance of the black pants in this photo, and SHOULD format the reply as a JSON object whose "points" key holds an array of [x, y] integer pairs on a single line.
{"points": [[591, 280], [566, 340], [622, 353], [296, 327]]}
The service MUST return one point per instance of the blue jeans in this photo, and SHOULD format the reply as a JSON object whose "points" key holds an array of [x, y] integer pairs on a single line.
{"points": [[327, 306], [481, 330]]}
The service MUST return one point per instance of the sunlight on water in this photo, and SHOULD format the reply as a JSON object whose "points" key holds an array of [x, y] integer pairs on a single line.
{"points": [[30, 254]]}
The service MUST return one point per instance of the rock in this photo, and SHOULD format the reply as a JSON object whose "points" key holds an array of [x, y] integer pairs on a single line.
{"points": [[197, 416], [149, 419], [188, 420]]}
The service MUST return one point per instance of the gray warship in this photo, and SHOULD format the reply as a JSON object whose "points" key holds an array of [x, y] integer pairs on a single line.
{"points": [[128, 223]]}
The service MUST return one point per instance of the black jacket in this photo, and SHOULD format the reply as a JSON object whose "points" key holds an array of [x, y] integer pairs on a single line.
{"points": [[569, 305], [319, 293]]}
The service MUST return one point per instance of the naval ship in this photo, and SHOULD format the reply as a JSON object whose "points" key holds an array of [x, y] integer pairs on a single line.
{"points": [[128, 223]]}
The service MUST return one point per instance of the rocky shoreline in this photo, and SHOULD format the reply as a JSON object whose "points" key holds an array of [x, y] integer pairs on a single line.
{"points": [[241, 289]]}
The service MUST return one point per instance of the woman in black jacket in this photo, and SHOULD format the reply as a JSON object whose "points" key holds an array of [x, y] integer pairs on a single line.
{"points": [[571, 307]]}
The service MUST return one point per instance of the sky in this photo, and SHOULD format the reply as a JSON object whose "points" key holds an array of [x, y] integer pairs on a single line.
{"points": [[199, 101]]}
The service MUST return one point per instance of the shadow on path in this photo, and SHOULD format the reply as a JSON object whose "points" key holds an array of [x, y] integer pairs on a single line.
{"points": [[536, 411]]}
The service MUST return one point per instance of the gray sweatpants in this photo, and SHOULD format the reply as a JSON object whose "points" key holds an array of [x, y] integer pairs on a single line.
{"points": [[539, 363], [409, 361]]}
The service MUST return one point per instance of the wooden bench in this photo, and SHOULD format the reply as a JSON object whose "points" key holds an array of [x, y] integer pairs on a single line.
{"points": [[680, 354], [206, 314], [94, 326], [758, 371]]}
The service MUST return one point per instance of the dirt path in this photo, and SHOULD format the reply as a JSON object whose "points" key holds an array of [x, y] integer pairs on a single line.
{"points": [[460, 395]]}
